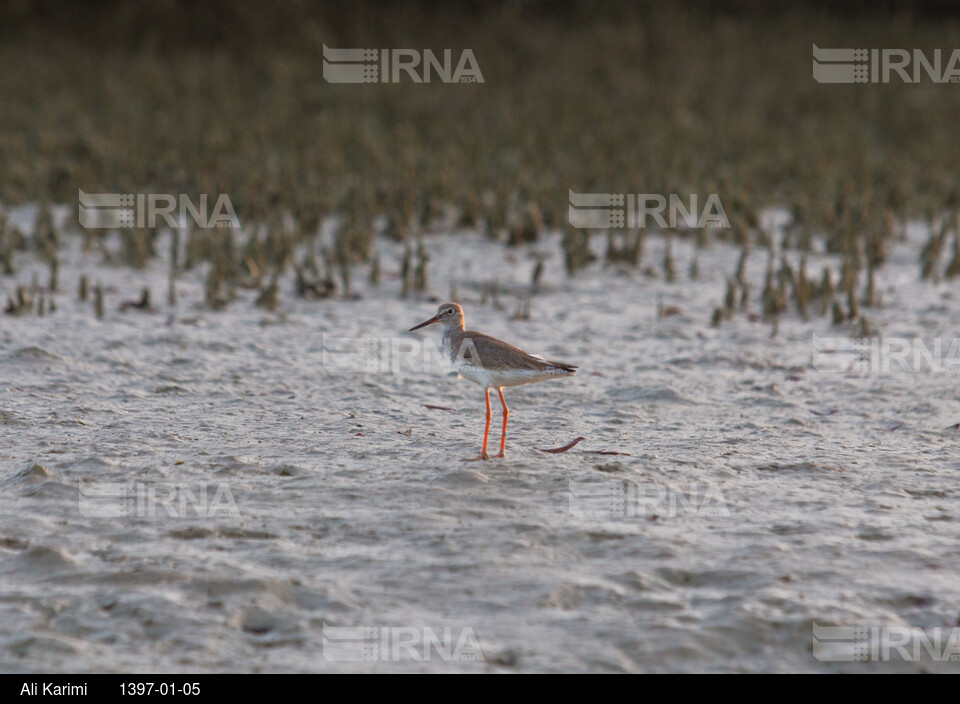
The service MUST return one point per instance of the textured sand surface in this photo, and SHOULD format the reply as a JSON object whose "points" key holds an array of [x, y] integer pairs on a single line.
{"points": [[839, 491]]}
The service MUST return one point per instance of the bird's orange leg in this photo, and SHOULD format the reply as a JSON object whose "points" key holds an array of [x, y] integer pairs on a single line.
{"points": [[506, 414], [486, 430]]}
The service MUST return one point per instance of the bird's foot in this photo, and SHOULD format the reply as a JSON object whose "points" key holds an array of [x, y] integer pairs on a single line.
{"points": [[498, 455], [481, 456]]}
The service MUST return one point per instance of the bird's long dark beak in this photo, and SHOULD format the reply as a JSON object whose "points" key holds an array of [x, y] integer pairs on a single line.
{"points": [[434, 319]]}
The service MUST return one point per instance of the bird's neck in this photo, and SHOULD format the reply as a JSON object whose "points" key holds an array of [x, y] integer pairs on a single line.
{"points": [[451, 333]]}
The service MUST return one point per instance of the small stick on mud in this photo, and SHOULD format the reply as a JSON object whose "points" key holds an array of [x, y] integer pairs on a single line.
{"points": [[558, 450]]}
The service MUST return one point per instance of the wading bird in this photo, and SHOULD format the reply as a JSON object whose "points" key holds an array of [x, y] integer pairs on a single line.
{"points": [[492, 363]]}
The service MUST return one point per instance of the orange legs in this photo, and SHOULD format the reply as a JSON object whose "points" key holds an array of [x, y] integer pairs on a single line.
{"points": [[506, 414], [486, 430]]}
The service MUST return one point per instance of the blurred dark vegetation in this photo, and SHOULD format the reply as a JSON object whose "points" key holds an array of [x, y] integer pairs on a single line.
{"points": [[242, 25], [227, 96]]}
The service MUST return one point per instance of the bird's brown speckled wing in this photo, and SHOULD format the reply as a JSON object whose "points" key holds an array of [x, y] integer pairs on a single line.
{"points": [[497, 354]]}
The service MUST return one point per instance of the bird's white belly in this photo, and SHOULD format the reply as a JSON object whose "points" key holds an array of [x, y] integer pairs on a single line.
{"points": [[493, 378]]}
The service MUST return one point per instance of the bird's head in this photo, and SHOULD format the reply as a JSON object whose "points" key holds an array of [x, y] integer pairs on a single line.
{"points": [[449, 315]]}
